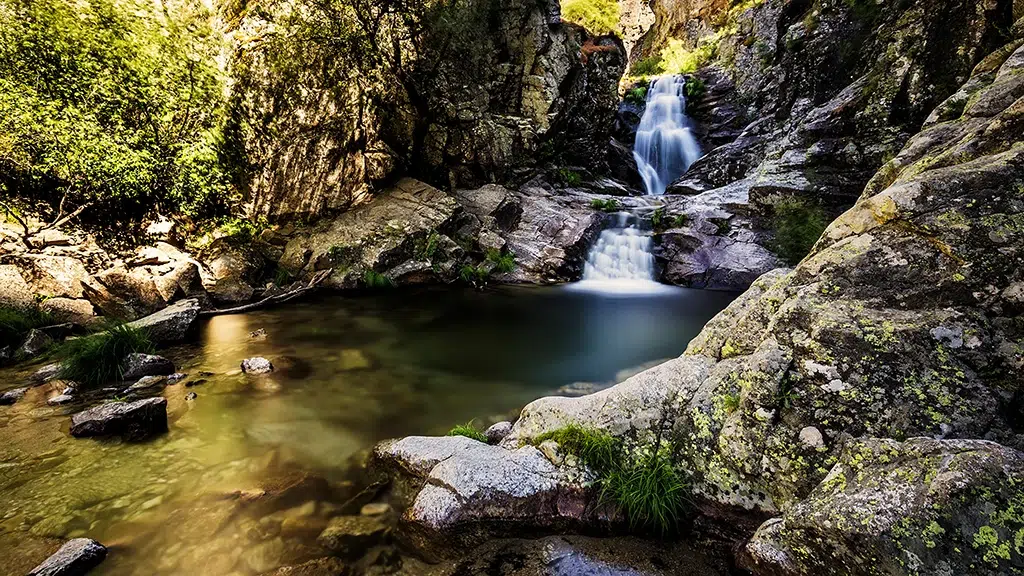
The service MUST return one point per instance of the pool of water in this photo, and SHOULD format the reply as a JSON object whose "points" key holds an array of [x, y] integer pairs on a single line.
{"points": [[350, 371]]}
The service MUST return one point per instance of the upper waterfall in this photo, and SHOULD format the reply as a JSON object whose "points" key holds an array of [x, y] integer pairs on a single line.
{"points": [[665, 146]]}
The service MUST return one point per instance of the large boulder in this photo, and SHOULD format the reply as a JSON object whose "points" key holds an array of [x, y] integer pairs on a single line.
{"points": [[54, 275], [76, 311], [172, 324], [14, 291], [918, 507], [75, 558], [235, 268], [130, 420], [136, 365]]}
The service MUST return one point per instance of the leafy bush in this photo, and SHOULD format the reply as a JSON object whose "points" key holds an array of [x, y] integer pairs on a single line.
{"points": [[694, 88], [427, 248], [117, 102], [503, 262], [597, 16], [637, 95], [605, 204], [797, 225], [475, 275], [676, 58], [15, 323], [469, 430], [680, 220], [569, 177], [651, 66], [97, 359], [376, 281], [647, 489]]}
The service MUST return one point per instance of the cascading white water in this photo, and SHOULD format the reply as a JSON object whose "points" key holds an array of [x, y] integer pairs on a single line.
{"points": [[665, 146], [621, 253]]}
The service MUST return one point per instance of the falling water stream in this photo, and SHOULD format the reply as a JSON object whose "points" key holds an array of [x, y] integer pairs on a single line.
{"points": [[622, 260], [665, 146]]}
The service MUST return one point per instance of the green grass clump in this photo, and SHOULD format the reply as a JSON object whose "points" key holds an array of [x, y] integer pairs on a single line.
{"points": [[647, 489], [475, 275], [469, 430], [605, 204], [651, 66], [636, 95], [569, 177], [650, 492], [797, 226], [376, 281], [680, 220], [597, 16], [503, 262], [15, 323], [694, 88], [427, 248], [97, 359]]}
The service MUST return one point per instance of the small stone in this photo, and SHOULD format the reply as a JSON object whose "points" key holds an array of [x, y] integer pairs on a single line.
{"points": [[354, 359], [305, 527], [61, 399], [257, 365], [75, 557], [138, 365], [375, 509], [549, 448], [176, 377], [12, 396], [811, 437], [131, 420], [191, 396], [148, 382], [348, 535], [260, 334], [45, 374], [497, 432]]}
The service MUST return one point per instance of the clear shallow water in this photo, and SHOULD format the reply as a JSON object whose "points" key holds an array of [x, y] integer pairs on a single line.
{"points": [[350, 372]]}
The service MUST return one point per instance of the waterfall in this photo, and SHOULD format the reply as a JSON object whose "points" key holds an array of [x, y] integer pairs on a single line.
{"points": [[665, 146], [621, 261]]}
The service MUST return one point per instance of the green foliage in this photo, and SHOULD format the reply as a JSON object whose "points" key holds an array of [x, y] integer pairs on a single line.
{"points": [[376, 281], [650, 492], [569, 177], [797, 225], [427, 248], [681, 220], [15, 323], [475, 275], [605, 204], [694, 88], [722, 226], [597, 16], [659, 219], [97, 359], [637, 95], [282, 277], [469, 430], [241, 230], [731, 402], [647, 489], [651, 66], [112, 101], [677, 59], [503, 262]]}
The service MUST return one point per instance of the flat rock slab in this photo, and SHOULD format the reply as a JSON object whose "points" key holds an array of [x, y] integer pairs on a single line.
{"points": [[75, 557], [137, 365], [130, 420], [170, 324]]}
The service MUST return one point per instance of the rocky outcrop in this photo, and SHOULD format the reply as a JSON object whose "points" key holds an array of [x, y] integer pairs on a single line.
{"points": [[901, 323], [137, 420], [14, 291], [172, 324], [918, 507], [75, 557]]}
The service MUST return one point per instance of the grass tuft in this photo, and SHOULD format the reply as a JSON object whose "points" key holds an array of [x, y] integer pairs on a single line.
{"points": [[97, 359], [569, 177], [598, 450], [605, 204], [503, 262], [376, 281], [15, 323], [469, 430], [475, 275]]}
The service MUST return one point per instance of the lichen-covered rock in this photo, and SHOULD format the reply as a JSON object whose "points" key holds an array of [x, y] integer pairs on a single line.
{"points": [[74, 558], [136, 365], [257, 365], [497, 432], [918, 507], [130, 420], [172, 324]]}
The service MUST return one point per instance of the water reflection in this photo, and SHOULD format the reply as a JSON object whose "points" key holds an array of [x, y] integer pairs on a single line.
{"points": [[350, 372]]}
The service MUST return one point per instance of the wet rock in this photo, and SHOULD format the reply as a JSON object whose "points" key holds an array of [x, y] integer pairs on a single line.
{"points": [[61, 399], [918, 507], [350, 535], [318, 567], [75, 558], [14, 291], [171, 324], [176, 377], [259, 334], [497, 432], [130, 420], [191, 396], [375, 509], [257, 365], [45, 374], [137, 365], [148, 382], [35, 344], [307, 527], [11, 396]]}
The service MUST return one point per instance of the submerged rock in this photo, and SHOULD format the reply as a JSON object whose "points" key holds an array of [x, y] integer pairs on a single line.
{"points": [[351, 535], [11, 396], [75, 558], [172, 323], [131, 420], [918, 507], [148, 382], [257, 365], [137, 365]]}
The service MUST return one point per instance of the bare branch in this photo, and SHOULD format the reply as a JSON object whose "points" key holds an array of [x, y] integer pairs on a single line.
{"points": [[318, 278]]}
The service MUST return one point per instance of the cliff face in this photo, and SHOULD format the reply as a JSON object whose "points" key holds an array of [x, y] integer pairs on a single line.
{"points": [[474, 96]]}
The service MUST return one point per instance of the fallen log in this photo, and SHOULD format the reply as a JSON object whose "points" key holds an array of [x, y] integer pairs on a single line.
{"points": [[317, 278]]}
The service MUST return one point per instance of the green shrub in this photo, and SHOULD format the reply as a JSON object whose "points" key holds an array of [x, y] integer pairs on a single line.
{"points": [[694, 88], [503, 262], [475, 275], [97, 359], [651, 66], [15, 323], [647, 489], [658, 219], [569, 177], [426, 249], [797, 225], [731, 402], [469, 430], [722, 226], [636, 95], [376, 281], [605, 204], [597, 16], [677, 59], [680, 220]]}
